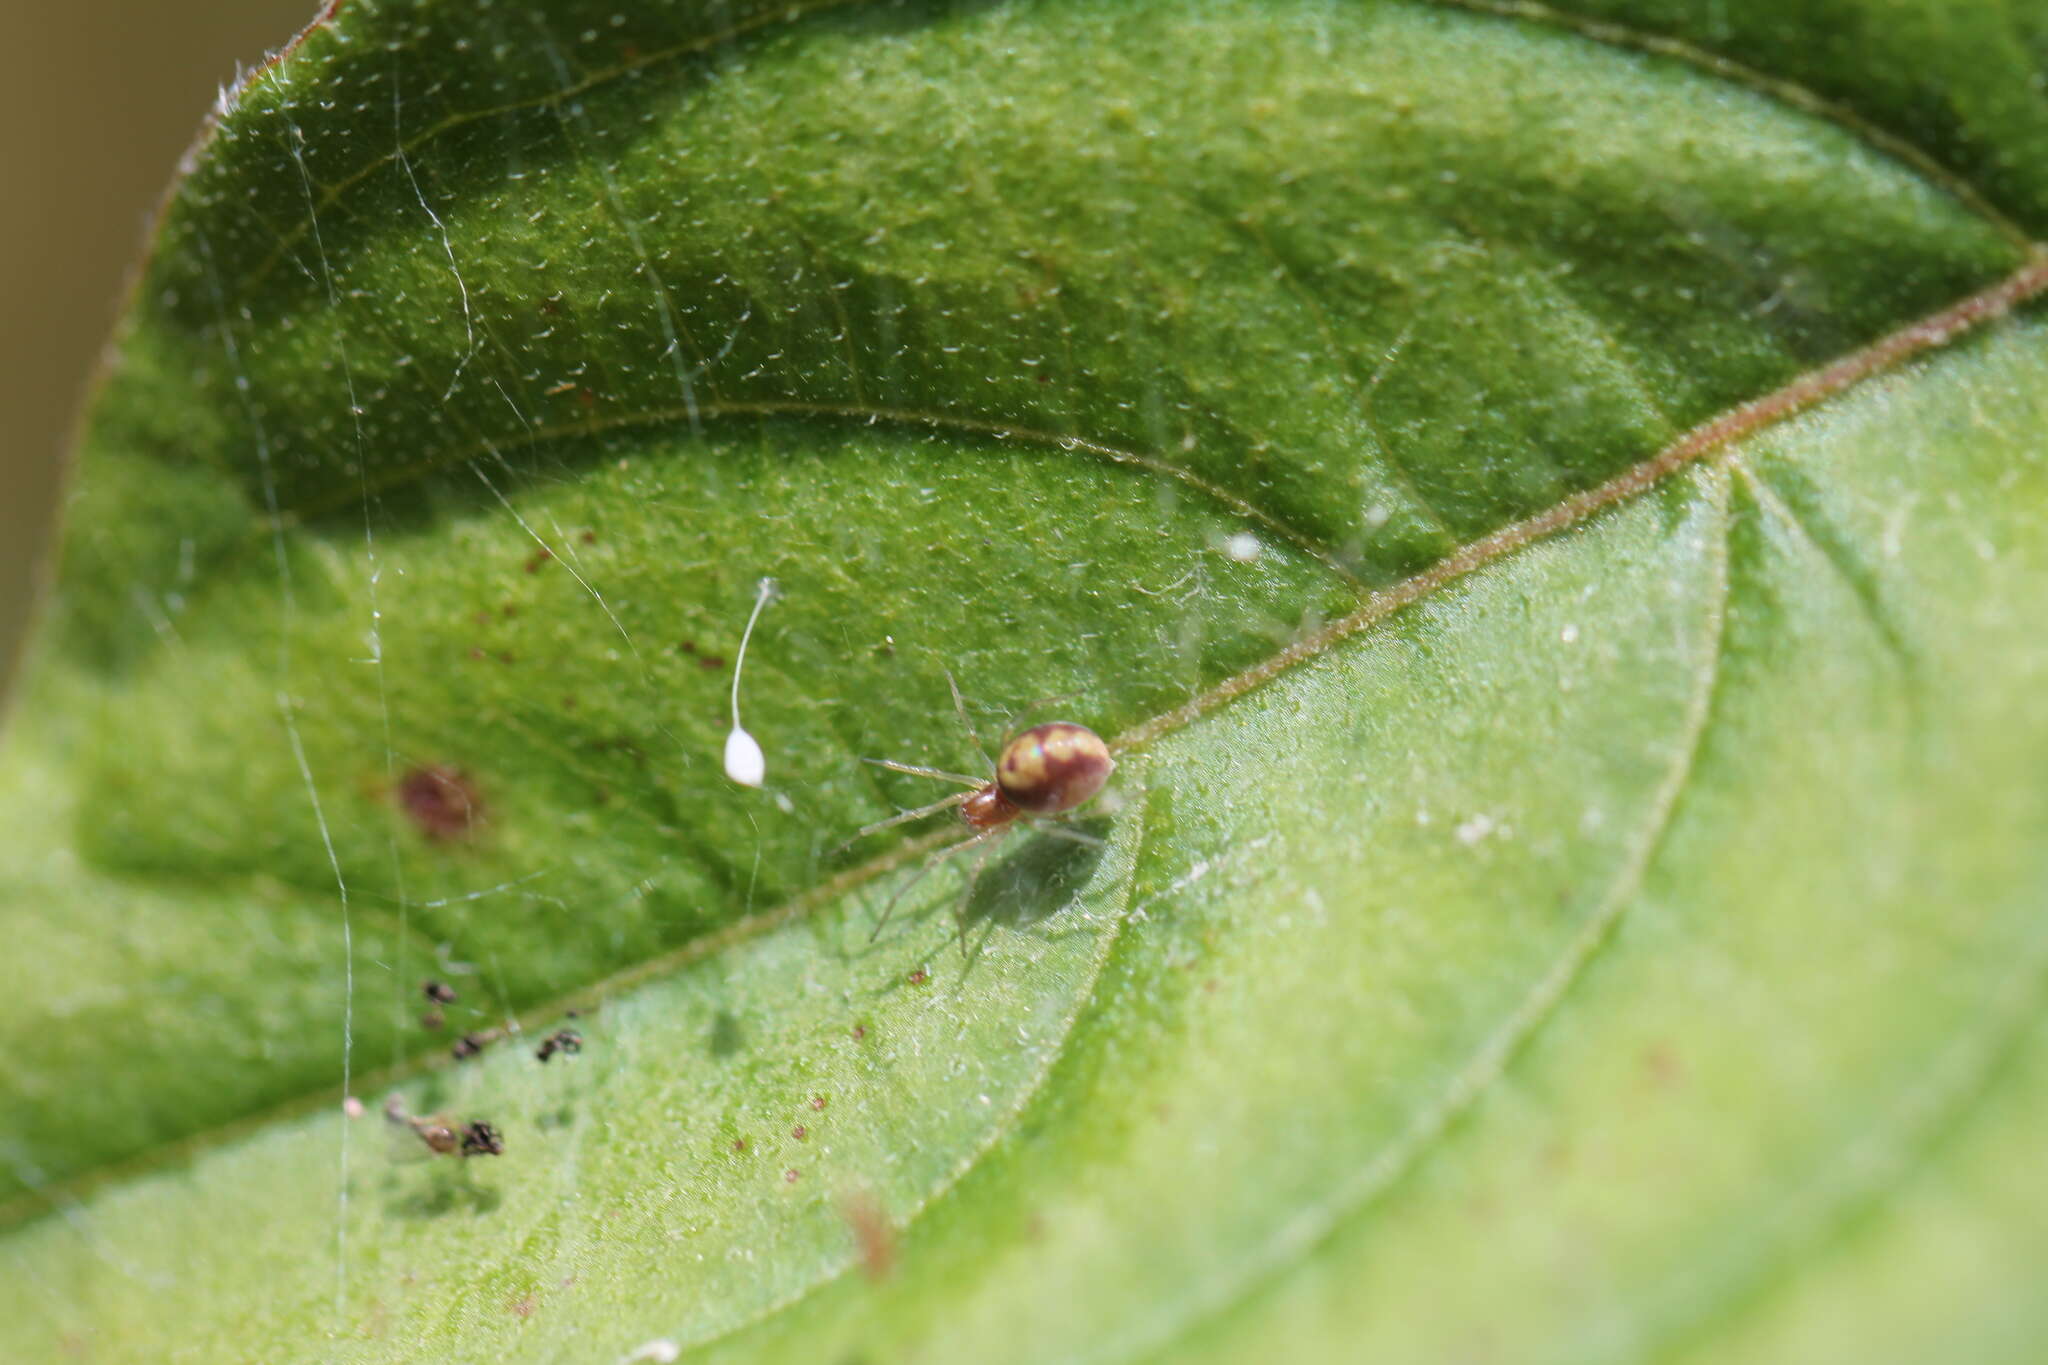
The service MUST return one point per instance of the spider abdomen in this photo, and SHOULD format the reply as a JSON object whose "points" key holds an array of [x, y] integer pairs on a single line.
{"points": [[1048, 769]]}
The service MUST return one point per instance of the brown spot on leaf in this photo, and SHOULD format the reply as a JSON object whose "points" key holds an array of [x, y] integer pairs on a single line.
{"points": [[873, 1238], [799, 1132], [712, 661], [441, 802], [566, 1041], [1662, 1066], [538, 558]]}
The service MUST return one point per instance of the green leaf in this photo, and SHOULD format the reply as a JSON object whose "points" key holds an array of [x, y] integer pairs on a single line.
{"points": [[1550, 513]]}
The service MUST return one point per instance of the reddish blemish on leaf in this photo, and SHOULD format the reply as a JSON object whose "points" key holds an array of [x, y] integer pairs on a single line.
{"points": [[799, 1132], [873, 1238], [538, 558], [1662, 1066], [441, 802], [790, 1175], [817, 1101]]}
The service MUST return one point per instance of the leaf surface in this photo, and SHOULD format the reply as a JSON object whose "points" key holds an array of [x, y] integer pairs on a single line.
{"points": [[1571, 889]]}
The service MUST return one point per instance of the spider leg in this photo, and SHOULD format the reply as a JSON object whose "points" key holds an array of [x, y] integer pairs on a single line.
{"points": [[904, 817], [922, 873], [1016, 717], [893, 766], [960, 706]]}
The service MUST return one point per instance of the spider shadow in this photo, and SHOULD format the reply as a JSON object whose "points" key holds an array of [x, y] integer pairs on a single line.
{"points": [[1032, 884], [444, 1192]]}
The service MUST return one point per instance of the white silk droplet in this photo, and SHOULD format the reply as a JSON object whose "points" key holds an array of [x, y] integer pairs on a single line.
{"points": [[744, 762]]}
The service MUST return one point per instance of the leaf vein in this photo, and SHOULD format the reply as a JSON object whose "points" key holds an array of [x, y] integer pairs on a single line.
{"points": [[1482, 1071], [332, 191], [1781, 89]]}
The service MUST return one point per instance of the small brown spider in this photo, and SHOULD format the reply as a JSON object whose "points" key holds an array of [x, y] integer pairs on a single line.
{"points": [[1047, 770], [442, 1137]]}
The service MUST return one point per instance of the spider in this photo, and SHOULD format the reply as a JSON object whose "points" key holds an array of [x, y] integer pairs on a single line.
{"points": [[442, 1136], [1047, 770]]}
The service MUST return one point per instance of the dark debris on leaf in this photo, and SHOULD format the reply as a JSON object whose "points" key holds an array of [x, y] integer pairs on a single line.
{"points": [[566, 1041], [480, 1139]]}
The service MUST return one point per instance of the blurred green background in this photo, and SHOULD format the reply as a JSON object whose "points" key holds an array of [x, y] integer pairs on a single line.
{"points": [[98, 98]]}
